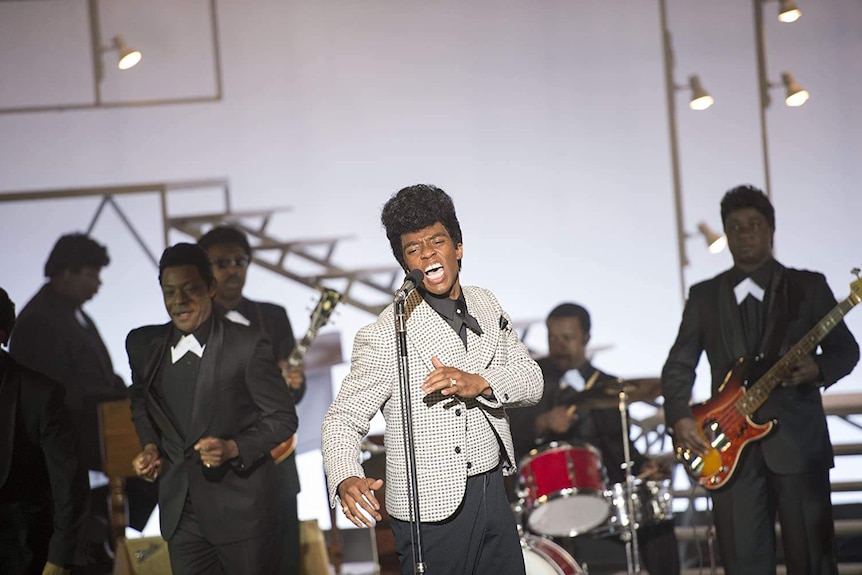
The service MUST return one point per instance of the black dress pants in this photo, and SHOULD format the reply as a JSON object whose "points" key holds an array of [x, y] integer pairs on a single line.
{"points": [[745, 513], [481, 538], [192, 554]]}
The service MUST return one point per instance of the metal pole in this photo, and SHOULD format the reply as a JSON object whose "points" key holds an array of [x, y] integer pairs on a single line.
{"points": [[763, 91], [630, 535], [670, 93], [96, 46], [407, 431]]}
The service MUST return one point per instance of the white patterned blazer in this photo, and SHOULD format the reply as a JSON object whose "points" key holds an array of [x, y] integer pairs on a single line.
{"points": [[439, 422]]}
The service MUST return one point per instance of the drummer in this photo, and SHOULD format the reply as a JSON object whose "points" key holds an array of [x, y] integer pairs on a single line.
{"points": [[567, 373]]}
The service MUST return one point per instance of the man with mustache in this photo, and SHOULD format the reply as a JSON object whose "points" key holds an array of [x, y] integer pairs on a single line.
{"points": [[230, 255], [466, 365]]}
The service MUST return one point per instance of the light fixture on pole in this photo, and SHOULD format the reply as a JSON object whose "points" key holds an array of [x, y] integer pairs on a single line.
{"points": [[715, 242], [129, 57], [700, 98], [788, 11], [796, 95]]}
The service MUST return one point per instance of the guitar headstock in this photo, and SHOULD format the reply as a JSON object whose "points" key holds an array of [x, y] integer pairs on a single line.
{"points": [[856, 287], [324, 308]]}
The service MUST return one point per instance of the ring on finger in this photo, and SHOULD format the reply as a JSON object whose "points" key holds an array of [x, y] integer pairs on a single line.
{"points": [[452, 382]]}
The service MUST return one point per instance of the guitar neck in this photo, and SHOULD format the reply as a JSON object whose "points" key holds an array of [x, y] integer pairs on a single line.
{"points": [[759, 392], [297, 356]]}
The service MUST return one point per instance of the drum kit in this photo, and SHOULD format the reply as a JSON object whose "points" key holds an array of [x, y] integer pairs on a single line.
{"points": [[563, 490]]}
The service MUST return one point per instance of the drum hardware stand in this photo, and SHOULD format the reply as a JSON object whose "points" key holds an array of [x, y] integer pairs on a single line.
{"points": [[630, 534], [407, 430]]}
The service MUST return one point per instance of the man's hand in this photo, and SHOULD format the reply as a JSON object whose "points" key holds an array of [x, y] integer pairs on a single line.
{"points": [[215, 451], [292, 375], [805, 371], [654, 469], [52, 569], [148, 463], [558, 420], [687, 435], [452, 381], [358, 501]]}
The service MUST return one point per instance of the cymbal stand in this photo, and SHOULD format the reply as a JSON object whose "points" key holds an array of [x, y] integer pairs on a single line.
{"points": [[630, 535]]}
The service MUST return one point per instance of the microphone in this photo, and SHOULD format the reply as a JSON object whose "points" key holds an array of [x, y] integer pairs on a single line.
{"points": [[411, 282]]}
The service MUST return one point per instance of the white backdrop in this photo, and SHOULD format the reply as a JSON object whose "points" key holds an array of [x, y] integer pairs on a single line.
{"points": [[546, 122]]}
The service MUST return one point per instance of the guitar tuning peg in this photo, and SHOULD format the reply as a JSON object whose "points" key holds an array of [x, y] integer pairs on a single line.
{"points": [[856, 272]]}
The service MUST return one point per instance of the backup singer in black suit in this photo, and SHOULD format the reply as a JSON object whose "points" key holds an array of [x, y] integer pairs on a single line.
{"points": [[208, 404], [761, 306], [230, 254], [43, 484]]}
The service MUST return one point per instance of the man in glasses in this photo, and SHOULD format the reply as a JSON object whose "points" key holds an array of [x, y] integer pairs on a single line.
{"points": [[229, 253]]}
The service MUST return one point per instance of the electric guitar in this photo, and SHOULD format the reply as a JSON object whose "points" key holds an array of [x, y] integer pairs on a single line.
{"points": [[727, 416], [321, 314]]}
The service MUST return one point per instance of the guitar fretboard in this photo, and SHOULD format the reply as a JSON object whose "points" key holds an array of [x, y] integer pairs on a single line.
{"points": [[757, 394]]}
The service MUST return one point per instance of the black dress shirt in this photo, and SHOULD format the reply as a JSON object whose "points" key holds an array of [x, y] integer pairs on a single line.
{"points": [[454, 311]]}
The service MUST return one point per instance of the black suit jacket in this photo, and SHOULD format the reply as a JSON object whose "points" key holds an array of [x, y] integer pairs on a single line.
{"points": [[711, 322], [601, 428], [43, 485], [272, 319], [239, 395], [48, 338]]}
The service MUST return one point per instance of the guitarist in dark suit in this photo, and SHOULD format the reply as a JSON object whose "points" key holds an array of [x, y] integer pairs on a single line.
{"points": [[230, 254], [761, 307], [209, 404]]}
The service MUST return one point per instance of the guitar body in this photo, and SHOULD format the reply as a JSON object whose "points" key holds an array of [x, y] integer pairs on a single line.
{"points": [[726, 417], [732, 429]]}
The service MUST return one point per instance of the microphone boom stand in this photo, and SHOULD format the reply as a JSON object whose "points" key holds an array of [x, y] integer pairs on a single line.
{"points": [[407, 430], [630, 536]]}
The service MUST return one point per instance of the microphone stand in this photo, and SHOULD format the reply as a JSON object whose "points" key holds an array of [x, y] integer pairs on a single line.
{"points": [[407, 430], [630, 536]]}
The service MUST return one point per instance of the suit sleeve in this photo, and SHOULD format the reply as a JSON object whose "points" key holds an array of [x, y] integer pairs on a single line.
{"points": [[363, 393], [518, 381], [67, 476], [277, 414], [136, 346], [839, 351], [678, 374]]}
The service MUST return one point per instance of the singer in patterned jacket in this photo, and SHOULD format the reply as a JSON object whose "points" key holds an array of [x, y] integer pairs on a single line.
{"points": [[466, 365]]}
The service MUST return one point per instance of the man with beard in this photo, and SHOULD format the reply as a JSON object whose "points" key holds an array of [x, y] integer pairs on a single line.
{"points": [[567, 372]]}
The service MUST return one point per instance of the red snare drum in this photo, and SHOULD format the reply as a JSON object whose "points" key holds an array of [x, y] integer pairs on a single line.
{"points": [[563, 489], [544, 557]]}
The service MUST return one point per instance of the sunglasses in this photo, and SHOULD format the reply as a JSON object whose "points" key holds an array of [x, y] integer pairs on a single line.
{"points": [[225, 263]]}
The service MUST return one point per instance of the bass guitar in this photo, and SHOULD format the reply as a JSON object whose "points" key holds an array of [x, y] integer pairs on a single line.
{"points": [[726, 417], [319, 317]]}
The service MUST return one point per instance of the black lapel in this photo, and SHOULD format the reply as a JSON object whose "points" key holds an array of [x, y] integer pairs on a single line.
{"points": [[729, 318], [776, 314], [202, 406], [158, 347], [8, 404]]}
